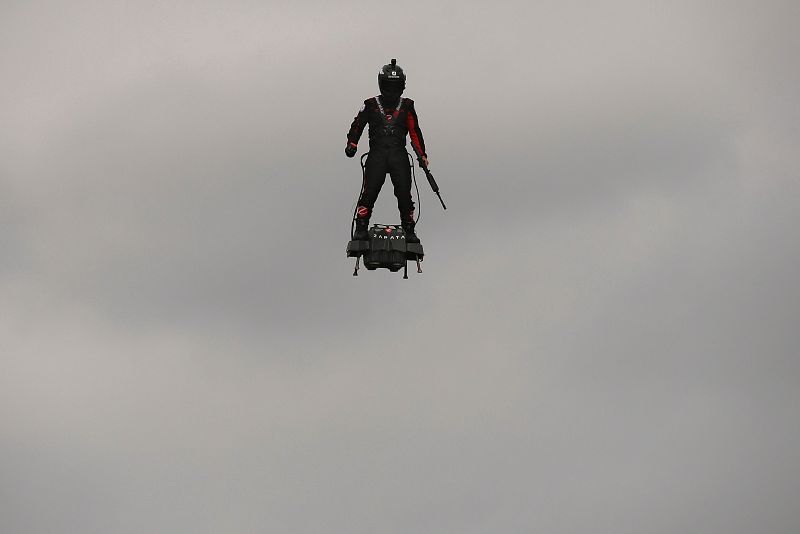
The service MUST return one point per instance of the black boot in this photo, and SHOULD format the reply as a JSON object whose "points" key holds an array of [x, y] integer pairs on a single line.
{"points": [[361, 233], [408, 228]]}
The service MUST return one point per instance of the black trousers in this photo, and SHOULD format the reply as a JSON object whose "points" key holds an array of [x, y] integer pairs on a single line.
{"points": [[379, 162]]}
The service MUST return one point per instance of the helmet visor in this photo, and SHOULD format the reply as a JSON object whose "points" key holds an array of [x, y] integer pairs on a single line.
{"points": [[395, 86]]}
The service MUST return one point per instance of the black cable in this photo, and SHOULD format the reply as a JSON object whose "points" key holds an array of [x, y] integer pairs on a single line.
{"points": [[414, 177]]}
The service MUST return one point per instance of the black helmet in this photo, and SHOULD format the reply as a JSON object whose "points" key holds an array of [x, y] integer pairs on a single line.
{"points": [[392, 80]]}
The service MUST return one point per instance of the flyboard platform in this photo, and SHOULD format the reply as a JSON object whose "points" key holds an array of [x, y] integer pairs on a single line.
{"points": [[386, 248]]}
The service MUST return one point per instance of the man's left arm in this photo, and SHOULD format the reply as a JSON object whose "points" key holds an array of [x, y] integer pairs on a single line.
{"points": [[414, 131]]}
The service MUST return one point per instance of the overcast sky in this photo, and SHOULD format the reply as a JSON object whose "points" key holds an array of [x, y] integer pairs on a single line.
{"points": [[605, 337]]}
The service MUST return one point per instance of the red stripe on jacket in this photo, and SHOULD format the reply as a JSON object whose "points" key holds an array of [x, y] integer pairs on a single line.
{"points": [[412, 131]]}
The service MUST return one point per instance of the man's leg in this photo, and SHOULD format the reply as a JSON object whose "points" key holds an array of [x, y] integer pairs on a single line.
{"points": [[374, 175], [401, 179]]}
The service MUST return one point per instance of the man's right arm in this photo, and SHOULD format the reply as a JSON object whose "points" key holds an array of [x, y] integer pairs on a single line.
{"points": [[356, 129]]}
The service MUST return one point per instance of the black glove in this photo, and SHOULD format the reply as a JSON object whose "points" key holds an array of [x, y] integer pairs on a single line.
{"points": [[350, 150]]}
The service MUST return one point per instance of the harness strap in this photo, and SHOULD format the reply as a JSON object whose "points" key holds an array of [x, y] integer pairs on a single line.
{"points": [[396, 113]]}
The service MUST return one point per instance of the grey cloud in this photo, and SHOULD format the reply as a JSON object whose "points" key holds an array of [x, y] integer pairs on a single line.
{"points": [[603, 339]]}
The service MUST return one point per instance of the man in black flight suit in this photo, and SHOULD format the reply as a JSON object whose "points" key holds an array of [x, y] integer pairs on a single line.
{"points": [[390, 119]]}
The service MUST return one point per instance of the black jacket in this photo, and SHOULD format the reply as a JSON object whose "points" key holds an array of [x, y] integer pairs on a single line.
{"points": [[399, 125]]}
